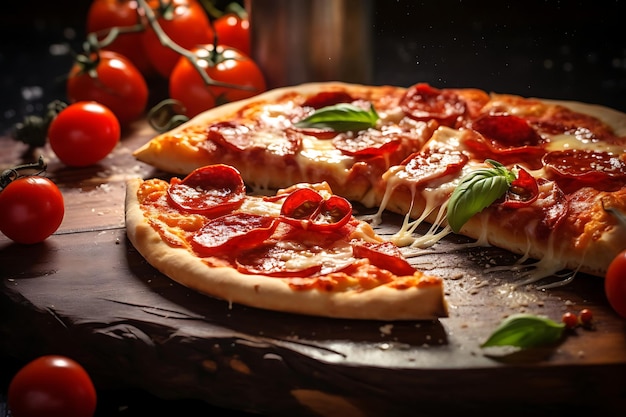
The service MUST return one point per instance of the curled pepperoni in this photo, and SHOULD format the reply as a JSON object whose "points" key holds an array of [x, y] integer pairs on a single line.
{"points": [[522, 192], [211, 190], [429, 165], [574, 169], [307, 209], [366, 143], [274, 260], [328, 98], [423, 102], [507, 131], [383, 255], [233, 231]]}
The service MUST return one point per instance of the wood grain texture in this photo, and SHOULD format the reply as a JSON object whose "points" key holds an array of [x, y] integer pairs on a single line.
{"points": [[87, 293]]}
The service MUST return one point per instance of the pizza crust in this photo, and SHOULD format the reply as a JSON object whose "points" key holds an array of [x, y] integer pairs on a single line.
{"points": [[381, 303]]}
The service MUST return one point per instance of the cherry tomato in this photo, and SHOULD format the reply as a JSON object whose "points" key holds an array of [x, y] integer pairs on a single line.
{"points": [[31, 209], [117, 84], [83, 133], [224, 65], [615, 284], [106, 14], [586, 317], [233, 31], [52, 386], [185, 23], [570, 320]]}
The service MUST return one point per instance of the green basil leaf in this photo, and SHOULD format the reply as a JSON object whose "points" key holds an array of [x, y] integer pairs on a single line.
{"points": [[525, 331], [477, 190], [342, 117]]}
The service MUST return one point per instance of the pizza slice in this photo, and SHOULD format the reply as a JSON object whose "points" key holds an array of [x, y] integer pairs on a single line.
{"points": [[545, 180], [298, 251], [346, 135]]}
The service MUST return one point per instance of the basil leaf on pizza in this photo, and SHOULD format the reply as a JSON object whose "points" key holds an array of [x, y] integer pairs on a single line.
{"points": [[342, 117], [477, 190], [525, 331]]}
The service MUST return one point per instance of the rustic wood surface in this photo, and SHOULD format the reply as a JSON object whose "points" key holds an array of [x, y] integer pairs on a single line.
{"points": [[86, 292]]}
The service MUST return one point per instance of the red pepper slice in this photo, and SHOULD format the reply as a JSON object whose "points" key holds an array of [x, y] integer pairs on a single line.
{"points": [[307, 209], [384, 255], [238, 231], [523, 191], [423, 102], [212, 191]]}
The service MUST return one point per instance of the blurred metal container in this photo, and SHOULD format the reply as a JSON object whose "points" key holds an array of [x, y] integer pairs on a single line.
{"points": [[296, 41]]}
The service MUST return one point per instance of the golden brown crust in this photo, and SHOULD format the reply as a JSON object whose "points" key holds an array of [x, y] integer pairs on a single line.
{"points": [[381, 303]]}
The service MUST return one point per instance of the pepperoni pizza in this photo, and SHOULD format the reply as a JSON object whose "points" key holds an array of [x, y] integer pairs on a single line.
{"points": [[540, 178], [299, 251]]}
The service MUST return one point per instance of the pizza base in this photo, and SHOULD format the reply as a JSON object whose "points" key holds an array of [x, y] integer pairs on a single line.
{"points": [[270, 293]]}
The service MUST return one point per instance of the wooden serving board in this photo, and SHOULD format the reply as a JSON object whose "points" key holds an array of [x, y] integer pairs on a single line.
{"points": [[87, 293]]}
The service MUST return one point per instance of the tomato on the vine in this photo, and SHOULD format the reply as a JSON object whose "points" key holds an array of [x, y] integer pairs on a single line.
{"points": [[233, 31], [104, 15], [186, 24], [31, 209], [83, 133], [112, 80], [52, 386], [615, 284], [240, 73]]}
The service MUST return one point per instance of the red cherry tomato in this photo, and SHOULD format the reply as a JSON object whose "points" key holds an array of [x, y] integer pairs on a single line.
{"points": [[117, 84], [224, 65], [185, 23], [83, 133], [233, 31], [104, 15], [615, 284], [52, 386], [31, 209]]}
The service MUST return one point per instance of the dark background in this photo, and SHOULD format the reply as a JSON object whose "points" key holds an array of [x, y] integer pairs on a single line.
{"points": [[573, 50]]}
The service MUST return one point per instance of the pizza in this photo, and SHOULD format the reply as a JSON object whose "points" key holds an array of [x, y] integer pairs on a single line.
{"points": [[300, 250], [540, 178]]}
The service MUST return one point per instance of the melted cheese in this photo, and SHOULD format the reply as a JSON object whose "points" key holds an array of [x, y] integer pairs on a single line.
{"points": [[563, 142], [300, 257]]}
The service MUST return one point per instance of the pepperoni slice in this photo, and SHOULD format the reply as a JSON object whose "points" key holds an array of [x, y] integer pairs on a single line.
{"points": [[423, 102], [238, 231], [229, 134], [600, 170], [239, 137], [366, 143], [523, 191], [507, 131], [212, 191], [328, 98], [307, 209], [429, 165], [274, 261], [383, 255], [483, 148]]}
